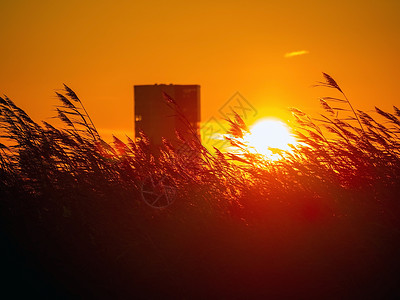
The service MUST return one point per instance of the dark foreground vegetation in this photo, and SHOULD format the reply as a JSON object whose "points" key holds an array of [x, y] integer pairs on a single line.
{"points": [[321, 223]]}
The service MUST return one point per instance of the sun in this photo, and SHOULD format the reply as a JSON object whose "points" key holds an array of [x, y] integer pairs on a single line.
{"points": [[268, 134]]}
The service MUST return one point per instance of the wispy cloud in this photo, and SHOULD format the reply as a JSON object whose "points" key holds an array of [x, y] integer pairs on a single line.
{"points": [[296, 53]]}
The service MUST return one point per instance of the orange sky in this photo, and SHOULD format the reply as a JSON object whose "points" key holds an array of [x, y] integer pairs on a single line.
{"points": [[102, 48]]}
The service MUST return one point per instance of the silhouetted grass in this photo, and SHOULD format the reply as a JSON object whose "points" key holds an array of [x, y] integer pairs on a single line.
{"points": [[322, 222]]}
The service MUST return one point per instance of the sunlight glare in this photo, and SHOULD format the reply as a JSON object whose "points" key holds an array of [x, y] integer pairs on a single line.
{"points": [[269, 133]]}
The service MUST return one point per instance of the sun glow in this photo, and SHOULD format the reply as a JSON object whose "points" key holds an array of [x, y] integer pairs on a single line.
{"points": [[268, 136]]}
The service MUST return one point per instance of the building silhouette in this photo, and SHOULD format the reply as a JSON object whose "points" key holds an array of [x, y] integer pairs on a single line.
{"points": [[157, 119]]}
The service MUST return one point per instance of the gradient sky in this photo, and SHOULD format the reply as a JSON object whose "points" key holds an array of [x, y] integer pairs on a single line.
{"points": [[272, 52]]}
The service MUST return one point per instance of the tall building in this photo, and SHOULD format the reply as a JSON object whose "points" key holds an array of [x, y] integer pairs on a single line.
{"points": [[157, 119]]}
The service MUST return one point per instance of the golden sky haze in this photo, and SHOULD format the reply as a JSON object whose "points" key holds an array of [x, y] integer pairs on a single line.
{"points": [[102, 48]]}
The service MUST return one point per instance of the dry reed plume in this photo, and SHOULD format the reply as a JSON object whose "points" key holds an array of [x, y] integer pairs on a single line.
{"points": [[326, 216]]}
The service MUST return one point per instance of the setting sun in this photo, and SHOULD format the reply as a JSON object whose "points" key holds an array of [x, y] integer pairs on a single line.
{"points": [[268, 134]]}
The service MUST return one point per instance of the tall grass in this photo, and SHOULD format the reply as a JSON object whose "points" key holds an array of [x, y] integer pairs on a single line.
{"points": [[241, 225]]}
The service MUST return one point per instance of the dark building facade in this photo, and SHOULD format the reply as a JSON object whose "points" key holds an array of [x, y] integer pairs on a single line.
{"points": [[157, 119]]}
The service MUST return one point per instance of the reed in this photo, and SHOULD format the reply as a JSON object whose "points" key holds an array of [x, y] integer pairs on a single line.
{"points": [[341, 180]]}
